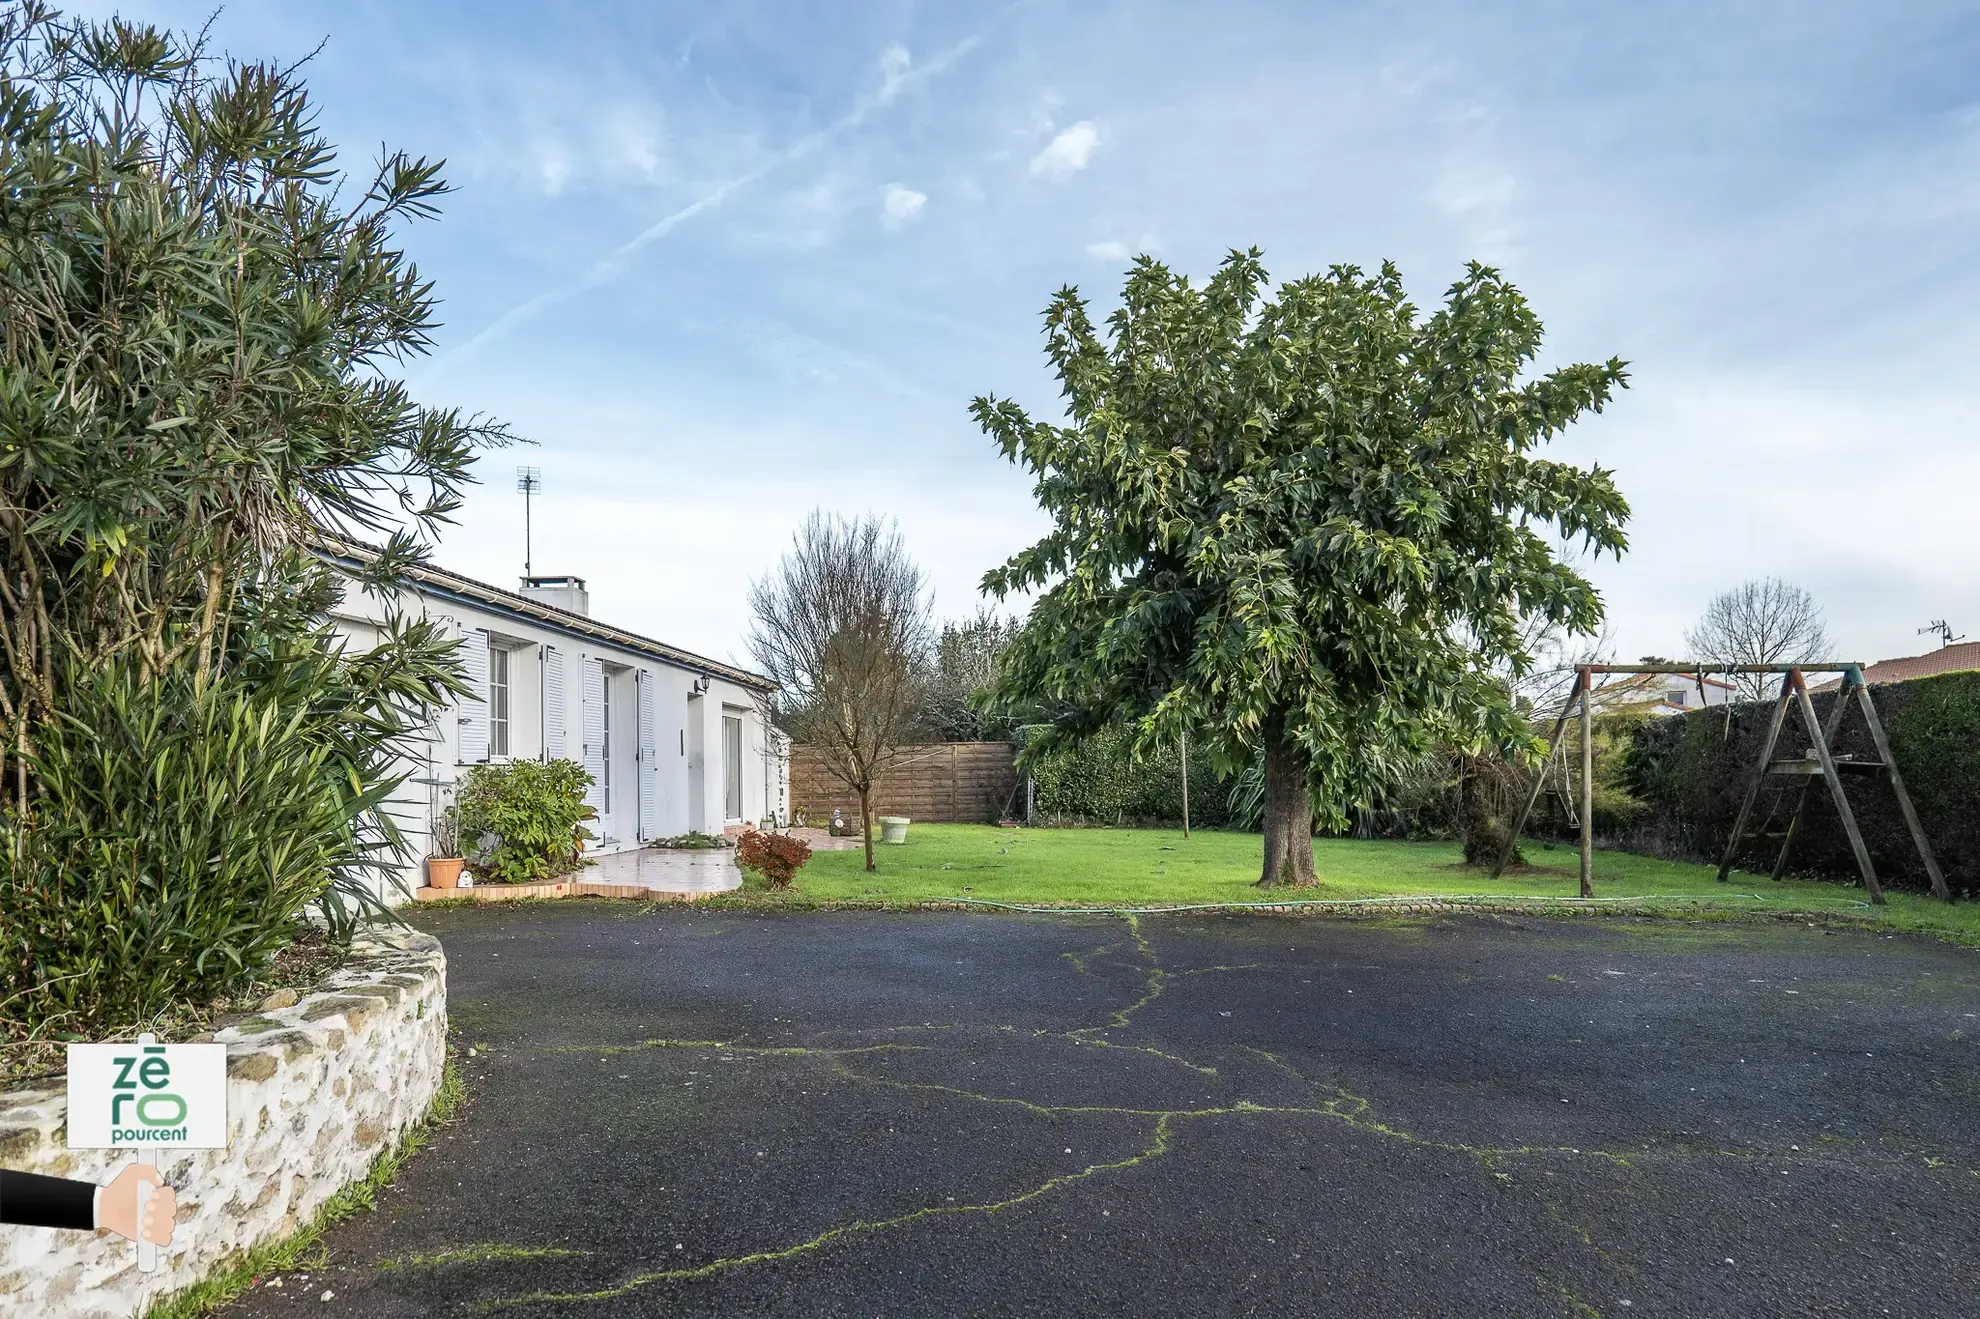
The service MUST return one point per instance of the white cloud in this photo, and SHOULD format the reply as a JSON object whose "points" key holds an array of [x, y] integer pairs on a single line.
{"points": [[900, 205], [1735, 476], [1069, 152], [630, 144], [894, 64], [1108, 249], [554, 168]]}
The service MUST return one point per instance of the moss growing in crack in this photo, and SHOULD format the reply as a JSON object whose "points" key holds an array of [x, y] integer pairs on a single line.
{"points": [[305, 1248], [491, 1252], [724, 1046], [1158, 1146]]}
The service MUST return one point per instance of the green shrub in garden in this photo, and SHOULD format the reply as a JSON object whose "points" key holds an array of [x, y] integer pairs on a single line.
{"points": [[183, 826], [204, 324], [1102, 781], [523, 820]]}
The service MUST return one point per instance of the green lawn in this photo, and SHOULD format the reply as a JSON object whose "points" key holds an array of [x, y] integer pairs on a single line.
{"points": [[1159, 867]]}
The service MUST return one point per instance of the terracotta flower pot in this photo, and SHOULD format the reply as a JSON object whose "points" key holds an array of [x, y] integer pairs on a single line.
{"points": [[444, 871]]}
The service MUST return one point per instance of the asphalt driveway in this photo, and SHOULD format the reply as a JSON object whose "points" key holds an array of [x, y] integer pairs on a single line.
{"points": [[690, 1113]]}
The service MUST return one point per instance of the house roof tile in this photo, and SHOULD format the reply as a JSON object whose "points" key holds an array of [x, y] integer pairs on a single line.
{"points": [[1956, 658], [432, 578]]}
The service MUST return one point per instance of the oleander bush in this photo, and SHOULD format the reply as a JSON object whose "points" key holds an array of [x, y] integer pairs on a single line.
{"points": [[184, 827], [201, 322]]}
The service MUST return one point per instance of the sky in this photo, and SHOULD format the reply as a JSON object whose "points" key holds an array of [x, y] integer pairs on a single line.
{"points": [[725, 263]]}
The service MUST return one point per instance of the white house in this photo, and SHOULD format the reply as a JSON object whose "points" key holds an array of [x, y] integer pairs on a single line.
{"points": [[673, 741], [1661, 694], [1655, 694]]}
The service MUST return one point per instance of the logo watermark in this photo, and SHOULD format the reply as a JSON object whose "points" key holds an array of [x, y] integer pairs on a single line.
{"points": [[147, 1096]]}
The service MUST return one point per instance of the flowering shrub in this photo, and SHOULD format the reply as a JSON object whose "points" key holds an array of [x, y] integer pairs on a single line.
{"points": [[775, 857]]}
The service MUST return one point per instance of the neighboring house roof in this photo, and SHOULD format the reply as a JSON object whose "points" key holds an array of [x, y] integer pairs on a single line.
{"points": [[1689, 680], [1622, 693], [1639, 688], [1956, 658], [437, 581]]}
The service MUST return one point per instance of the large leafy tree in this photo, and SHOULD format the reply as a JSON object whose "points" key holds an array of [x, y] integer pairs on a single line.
{"points": [[1305, 521]]}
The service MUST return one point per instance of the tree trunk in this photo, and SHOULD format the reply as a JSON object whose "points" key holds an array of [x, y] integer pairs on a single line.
{"points": [[866, 822], [1483, 787], [1288, 812]]}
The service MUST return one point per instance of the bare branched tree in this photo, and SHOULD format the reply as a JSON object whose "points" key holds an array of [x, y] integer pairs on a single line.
{"points": [[1763, 620], [842, 627], [962, 665], [1543, 687]]}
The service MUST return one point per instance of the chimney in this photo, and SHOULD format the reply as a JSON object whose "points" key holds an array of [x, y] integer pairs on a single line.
{"points": [[566, 593]]}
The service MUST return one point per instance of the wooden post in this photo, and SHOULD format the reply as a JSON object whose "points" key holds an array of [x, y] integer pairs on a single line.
{"points": [[1800, 687], [955, 805], [1759, 777], [1185, 778], [1883, 745], [1540, 779], [1829, 731], [1587, 788]]}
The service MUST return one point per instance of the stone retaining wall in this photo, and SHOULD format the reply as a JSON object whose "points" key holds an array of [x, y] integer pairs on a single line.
{"points": [[315, 1092]]}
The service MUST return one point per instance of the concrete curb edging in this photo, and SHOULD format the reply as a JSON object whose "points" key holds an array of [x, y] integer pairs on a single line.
{"points": [[556, 888], [1596, 908], [1350, 910], [316, 1090]]}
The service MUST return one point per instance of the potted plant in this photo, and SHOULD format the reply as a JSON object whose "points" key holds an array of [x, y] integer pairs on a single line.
{"points": [[443, 864]]}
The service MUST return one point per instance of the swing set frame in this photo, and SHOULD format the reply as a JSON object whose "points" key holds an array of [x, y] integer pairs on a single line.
{"points": [[1821, 762]]}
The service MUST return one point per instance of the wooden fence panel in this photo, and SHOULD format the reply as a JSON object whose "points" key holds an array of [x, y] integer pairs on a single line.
{"points": [[940, 782]]}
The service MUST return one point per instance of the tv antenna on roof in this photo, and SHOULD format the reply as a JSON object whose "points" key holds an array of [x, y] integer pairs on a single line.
{"points": [[1943, 630], [529, 480]]}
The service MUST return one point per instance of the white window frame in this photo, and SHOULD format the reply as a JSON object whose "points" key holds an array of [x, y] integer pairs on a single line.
{"points": [[605, 741], [732, 769], [501, 702]]}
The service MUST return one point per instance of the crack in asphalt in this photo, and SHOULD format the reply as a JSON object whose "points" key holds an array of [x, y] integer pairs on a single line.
{"points": [[1157, 1146], [1343, 1107]]}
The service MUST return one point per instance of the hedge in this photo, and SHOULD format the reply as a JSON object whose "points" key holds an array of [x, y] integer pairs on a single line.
{"points": [[1099, 782], [1693, 769]]}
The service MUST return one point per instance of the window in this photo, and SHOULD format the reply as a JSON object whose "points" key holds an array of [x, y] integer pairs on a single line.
{"points": [[605, 743], [1677, 695], [732, 775], [498, 702]]}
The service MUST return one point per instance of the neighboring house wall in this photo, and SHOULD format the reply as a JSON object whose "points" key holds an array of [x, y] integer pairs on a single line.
{"points": [[1659, 693], [647, 723]]}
